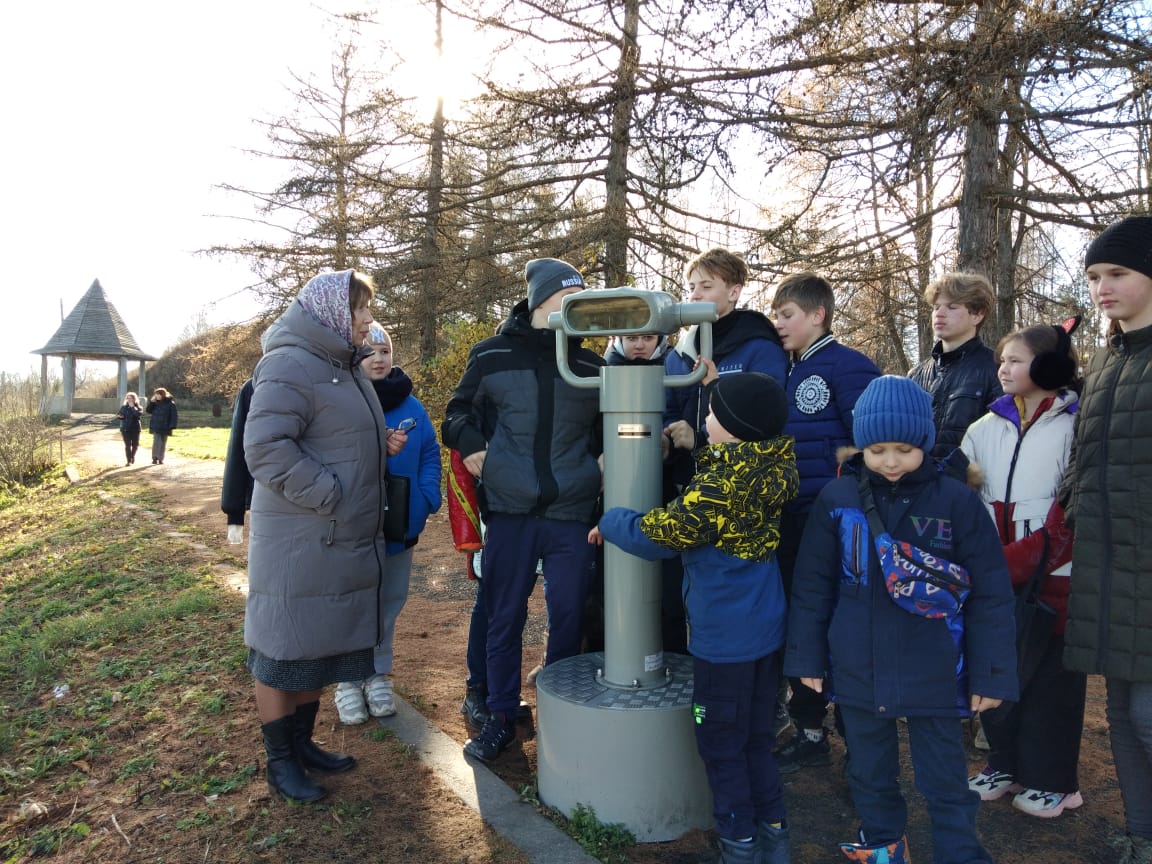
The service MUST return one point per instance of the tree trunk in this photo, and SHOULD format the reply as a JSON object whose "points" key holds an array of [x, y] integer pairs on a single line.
{"points": [[430, 242], [976, 244], [616, 173]]}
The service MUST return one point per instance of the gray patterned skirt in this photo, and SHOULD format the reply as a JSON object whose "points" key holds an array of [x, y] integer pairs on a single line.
{"points": [[301, 675]]}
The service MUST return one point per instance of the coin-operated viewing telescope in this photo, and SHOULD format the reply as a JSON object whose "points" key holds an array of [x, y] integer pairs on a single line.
{"points": [[615, 727]]}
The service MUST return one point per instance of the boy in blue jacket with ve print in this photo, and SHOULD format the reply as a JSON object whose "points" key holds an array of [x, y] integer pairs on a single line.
{"points": [[850, 634], [726, 527]]}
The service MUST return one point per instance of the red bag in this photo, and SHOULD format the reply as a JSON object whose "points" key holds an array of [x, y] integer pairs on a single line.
{"points": [[463, 511]]}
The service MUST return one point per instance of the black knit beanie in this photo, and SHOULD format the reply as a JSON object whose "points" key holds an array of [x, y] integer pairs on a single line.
{"points": [[546, 276], [1127, 243], [750, 405]]}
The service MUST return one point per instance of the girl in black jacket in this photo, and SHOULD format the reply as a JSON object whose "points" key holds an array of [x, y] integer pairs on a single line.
{"points": [[161, 421], [129, 417]]}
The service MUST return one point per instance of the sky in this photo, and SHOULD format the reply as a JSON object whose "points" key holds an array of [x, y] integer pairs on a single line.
{"points": [[120, 120]]}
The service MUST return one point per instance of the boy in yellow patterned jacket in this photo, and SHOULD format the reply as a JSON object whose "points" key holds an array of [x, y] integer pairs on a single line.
{"points": [[726, 526]]}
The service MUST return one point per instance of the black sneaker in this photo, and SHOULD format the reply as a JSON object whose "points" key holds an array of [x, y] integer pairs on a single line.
{"points": [[496, 737], [802, 752], [475, 707]]}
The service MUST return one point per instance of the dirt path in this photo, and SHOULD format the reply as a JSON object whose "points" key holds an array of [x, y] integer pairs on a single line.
{"points": [[431, 639]]}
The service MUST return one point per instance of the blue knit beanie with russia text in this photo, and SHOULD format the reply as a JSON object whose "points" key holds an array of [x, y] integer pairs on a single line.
{"points": [[893, 408]]}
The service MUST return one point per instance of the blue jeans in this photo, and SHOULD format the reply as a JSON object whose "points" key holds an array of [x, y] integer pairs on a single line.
{"points": [[477, 657], [1129, 710], [513, 547], [941, 771]]}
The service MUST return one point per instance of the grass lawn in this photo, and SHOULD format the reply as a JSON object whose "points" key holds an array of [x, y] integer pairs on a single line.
{"points": [[128, 731], [115, 642], [200, 442]]}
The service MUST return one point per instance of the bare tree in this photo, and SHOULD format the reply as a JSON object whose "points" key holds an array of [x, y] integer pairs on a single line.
{"points": [[1023, 108], [326, 213]]}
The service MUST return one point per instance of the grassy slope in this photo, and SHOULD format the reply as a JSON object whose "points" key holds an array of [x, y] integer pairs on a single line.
{"points": [[152, 753]]}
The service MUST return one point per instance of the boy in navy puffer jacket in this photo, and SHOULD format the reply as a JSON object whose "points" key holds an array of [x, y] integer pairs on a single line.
{"points": [[726, 526], [878, 661], [824, 381]]}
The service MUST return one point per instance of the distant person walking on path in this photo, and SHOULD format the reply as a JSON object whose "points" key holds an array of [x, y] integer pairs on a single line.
{"points": [[315, 443], [129, 417], [162, 419]]}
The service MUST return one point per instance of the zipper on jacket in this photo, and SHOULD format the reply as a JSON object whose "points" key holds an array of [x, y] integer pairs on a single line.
{"points": [[857, 562], [331, 538], [1102, 626], [377, 416], [546, 402], [1008, 485]]}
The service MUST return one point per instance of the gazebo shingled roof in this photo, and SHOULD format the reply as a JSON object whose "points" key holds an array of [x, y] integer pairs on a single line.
{"points": [[94, 330]]}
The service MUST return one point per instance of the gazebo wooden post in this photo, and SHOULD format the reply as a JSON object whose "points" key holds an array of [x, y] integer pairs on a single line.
{"points": [[69, 381], [121, 379], [43, 385]]}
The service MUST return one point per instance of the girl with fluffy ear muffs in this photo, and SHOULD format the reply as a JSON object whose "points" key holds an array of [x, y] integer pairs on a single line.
{"points": [[1022, 448]]}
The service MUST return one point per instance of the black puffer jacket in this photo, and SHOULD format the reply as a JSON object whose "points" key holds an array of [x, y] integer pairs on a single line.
{"points": [[541, 433], [962, 383], [1109, 485], [162, 415], [236, 491]]}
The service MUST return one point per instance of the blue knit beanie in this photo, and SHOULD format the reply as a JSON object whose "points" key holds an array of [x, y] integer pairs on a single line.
{"points": [[546, 276], [893, 408], [1127, 243]]}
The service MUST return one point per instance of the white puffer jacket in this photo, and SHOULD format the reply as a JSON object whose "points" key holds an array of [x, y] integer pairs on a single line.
{"points": [[1022, 468]]}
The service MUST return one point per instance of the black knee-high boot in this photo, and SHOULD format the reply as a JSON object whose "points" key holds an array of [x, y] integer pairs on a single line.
{"points": [[311, 756], [285, 773]]}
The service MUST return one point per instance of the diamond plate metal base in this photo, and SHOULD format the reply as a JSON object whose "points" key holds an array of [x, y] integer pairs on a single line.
{"points": [[576, 680]]}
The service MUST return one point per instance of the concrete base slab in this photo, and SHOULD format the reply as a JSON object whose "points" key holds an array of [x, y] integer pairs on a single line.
{"points": [[513, 819]]}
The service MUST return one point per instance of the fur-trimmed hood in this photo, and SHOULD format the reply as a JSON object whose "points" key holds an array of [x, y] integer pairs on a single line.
{"points": [[955, 465]]}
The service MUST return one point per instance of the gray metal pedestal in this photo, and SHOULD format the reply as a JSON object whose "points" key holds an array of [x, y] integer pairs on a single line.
{"points": [[630, 754]]}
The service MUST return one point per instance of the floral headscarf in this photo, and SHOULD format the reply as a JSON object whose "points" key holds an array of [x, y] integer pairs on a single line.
{"points": [[325, 298]]}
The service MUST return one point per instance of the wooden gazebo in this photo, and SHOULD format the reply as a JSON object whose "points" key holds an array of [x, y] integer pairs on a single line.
{"points": [[93, 330]]}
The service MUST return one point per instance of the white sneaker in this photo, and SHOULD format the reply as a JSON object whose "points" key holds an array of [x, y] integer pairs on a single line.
{"points": [[350, 704], [378, 691], [1046, 805], [992, 784]]}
